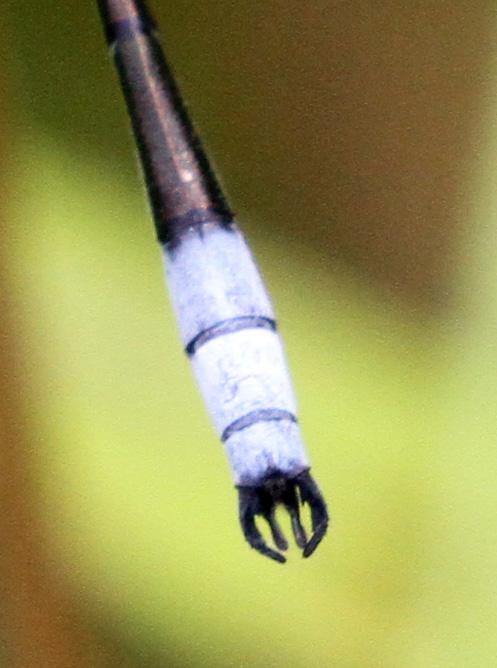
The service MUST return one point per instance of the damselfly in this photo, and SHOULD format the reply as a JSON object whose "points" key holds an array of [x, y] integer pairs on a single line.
{"points": [[225, 317]]}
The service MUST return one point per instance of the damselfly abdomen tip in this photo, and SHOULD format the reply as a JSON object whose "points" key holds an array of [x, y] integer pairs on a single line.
{"points": [[290, 492], [226, 320]]}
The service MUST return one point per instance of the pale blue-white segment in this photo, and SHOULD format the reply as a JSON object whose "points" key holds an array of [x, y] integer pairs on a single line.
{"points": [[245, 371], [265, 447], [242, 372], [212, 277]]}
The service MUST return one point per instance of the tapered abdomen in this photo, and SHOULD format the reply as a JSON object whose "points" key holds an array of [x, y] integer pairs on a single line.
{"points": [[225, 317]]}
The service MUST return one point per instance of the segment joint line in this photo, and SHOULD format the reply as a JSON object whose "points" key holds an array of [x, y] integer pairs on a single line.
{"points": [[229, 326]]}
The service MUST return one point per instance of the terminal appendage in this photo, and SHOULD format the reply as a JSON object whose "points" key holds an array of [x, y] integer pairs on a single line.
{"points": [[278, 488]]}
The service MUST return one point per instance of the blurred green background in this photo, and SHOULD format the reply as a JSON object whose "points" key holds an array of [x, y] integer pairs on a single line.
{"points": [[358, 144]]}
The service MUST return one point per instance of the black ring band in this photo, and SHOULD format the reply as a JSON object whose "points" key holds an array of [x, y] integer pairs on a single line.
{"points": [[228, 327], [260, 415], [171, 230]]}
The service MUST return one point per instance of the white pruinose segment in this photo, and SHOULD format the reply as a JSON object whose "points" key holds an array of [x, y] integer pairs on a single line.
{"points": [[264, 447], [242, 372], [213, 278]]}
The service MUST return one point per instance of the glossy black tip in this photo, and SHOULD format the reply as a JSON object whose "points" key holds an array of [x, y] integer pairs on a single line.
{"points": [[262, 500]]}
